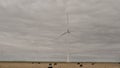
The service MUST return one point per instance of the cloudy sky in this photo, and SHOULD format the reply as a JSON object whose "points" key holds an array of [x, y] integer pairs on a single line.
{"points": [[60, 30]]}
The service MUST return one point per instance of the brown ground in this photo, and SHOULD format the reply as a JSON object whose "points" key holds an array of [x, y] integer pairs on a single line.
{"points": [[58, 65]]}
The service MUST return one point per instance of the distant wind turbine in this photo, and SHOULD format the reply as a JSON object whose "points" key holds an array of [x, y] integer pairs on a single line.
{"points": [[66, 32]]}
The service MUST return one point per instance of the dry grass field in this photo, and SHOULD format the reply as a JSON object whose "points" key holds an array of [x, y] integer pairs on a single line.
{"points": [[57, 65]]}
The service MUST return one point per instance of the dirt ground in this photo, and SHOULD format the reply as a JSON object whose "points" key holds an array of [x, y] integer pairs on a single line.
{"points": [[57, 65]]}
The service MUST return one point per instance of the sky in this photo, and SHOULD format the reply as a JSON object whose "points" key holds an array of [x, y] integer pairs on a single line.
{"points": [[60, 30]]}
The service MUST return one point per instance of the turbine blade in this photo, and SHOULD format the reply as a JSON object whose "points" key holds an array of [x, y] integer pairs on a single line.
{"points": [[61, 35]]}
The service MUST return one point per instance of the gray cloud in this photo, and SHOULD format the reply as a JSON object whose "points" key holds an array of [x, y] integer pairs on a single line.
{"points": [[30, 30]]}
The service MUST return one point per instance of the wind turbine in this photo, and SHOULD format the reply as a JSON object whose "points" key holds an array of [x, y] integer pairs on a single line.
{"points": [[66, 32]]}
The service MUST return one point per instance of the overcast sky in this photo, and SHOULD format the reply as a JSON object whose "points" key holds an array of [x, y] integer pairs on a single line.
{"points": [[36, 30]]}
